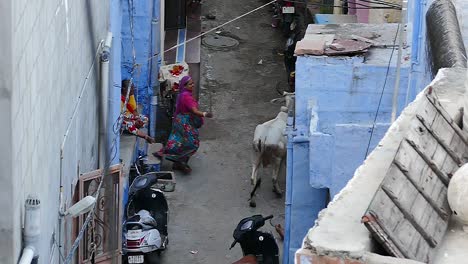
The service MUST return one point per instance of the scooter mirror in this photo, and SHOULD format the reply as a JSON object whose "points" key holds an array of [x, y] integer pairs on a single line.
{"points": [[233, 244], [292, 26]]}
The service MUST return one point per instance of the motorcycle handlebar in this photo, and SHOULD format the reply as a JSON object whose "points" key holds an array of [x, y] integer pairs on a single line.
{"points": [[268, 217]]}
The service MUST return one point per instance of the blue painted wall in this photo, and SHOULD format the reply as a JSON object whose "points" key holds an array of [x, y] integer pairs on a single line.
{"points": [[142, 14], [336, 102], [306, 201], [345, 90], [145, 42]]}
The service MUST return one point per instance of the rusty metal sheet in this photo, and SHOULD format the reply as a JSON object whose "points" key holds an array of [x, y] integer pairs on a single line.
{"points": [[347, 47]]}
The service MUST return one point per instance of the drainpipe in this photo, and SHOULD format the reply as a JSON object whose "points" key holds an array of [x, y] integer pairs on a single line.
{"points": [[289, 179], [162, 31], [415, 43], [396, 88], [103, 124], [32, 231], [154, 81]]}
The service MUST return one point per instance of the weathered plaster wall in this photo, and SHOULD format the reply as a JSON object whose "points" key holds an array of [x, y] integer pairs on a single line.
{"points": [[343, 111], [344, 152], [52, 46], [142, 13], [306, 201], [345, 90], [374, 16]]}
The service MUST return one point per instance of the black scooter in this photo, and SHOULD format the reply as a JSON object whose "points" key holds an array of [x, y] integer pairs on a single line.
{"points": [[257, 246], [145, 230]]}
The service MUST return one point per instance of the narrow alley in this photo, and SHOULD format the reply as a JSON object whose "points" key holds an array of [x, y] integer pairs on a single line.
{"points": [[237, 86]]}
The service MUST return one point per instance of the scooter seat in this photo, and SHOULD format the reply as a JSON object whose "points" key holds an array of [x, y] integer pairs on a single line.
{"points": [[249, 259]]}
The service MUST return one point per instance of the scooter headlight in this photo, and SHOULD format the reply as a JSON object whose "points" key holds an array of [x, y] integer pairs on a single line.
{"points": [[247, 225]]}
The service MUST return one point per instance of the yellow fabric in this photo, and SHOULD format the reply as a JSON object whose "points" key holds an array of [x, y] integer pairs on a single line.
{"points": [[131, 102]]}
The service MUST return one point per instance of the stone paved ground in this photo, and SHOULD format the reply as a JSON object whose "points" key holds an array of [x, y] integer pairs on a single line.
{"points": [[208, 204]]}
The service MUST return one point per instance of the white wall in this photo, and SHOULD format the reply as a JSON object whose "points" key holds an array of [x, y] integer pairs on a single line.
{"points": [[53, 46], [6, 179]]}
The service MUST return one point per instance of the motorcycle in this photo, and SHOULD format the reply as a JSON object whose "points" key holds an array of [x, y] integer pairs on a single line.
{"points": [[288, 15], [145, 231], [257, 246], [290, 59]]}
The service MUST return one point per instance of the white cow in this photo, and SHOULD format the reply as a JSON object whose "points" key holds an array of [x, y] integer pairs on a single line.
{"points": [[269, 146]]}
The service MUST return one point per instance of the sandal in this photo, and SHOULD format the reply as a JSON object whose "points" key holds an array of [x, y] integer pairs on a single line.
{"points": [[181, 167], [187, 168]]}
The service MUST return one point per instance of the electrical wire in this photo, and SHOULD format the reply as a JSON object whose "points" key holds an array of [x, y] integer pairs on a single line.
{"points": [[355, 2], [215, 28], [375, 2], [389, 5], [113, 148], [117, 124], [382, 92]]}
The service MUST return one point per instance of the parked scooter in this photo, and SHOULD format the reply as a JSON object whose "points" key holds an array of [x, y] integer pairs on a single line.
{"points": [[145, 231], [288, 16], [257, 246]]}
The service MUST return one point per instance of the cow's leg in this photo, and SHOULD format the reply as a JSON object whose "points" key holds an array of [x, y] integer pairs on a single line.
{"points": [[276, 170], [255, 166], [252, 193], [252, 202], [253, 179]]}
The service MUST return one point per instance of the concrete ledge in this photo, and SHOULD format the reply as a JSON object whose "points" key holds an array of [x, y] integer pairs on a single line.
{"points": [[307, 257], [127, 151]]}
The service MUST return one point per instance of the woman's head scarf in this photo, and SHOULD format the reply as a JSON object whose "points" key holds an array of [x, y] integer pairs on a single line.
{"points": [[183, 93]]}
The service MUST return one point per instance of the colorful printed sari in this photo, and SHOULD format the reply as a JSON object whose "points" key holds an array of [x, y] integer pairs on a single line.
{"points": [[183, 141]]}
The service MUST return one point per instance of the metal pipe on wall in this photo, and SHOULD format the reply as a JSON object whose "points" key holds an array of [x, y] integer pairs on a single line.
{"points": [[154, 80], [104, 122], [162, 33], [32, 230], [289, 184], [337, 10]]}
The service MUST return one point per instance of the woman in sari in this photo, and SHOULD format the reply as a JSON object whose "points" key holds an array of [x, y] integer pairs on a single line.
{"points": [[183, 141], [132, 120]]}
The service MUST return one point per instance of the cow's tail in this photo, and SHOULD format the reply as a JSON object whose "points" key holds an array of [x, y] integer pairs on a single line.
{"points": [[259, 146]]}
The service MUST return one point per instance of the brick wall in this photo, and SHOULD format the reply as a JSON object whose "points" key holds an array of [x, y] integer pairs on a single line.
{"points": [[53, 47]]}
